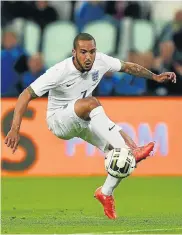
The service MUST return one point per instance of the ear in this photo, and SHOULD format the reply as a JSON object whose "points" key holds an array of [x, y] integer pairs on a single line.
{"points": [[73, 52]]}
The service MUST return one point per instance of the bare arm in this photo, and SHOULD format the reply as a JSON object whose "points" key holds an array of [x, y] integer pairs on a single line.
{"points": [[25, 97], [139, 71], [12, 138]]}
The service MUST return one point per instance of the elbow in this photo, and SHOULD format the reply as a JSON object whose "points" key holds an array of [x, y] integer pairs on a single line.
{"points": [[124, 67]]}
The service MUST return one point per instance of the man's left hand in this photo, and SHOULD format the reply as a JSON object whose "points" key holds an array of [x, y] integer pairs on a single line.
{"points": [[165, 77]]}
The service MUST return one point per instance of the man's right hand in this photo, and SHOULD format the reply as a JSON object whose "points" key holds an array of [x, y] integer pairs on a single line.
{"points": [[12, 139]]}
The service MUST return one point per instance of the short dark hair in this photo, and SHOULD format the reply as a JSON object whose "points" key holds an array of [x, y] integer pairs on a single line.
{"points": [[84, 37]]}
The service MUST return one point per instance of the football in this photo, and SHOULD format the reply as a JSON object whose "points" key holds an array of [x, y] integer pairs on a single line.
{"points": [[120, 162]]}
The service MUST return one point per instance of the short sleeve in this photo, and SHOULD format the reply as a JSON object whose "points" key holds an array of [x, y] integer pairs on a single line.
{"points": [[113, 64], [49, 80]]}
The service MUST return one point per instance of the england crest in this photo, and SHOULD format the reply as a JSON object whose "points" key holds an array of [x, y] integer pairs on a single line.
{"points": [[95, 75]]}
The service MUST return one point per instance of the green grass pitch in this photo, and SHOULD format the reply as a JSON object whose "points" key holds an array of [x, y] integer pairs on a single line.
{"points": [[66, 205]]}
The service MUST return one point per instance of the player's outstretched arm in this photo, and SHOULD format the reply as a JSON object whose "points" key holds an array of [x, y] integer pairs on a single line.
{"points": [[139, 71], [13, 137]]}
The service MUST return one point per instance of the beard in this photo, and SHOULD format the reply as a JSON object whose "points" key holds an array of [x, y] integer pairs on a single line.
{"points": [[81, 66]]}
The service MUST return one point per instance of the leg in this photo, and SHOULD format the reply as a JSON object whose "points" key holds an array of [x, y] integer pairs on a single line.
{"points": [[71, 122], [140, 153], [97, 134], [104, 193], [128, 140], [65, 124], [90, 109]]}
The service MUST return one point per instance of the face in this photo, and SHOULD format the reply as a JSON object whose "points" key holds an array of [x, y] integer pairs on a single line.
{"points": [[42, 4], [35, 63], [166, 51], [178, 17], [9, 40], [94, 2], [84, 55]]}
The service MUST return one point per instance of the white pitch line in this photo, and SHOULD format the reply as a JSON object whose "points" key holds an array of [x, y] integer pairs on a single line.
{"points": [[125, 231], [145, 230], [116, 232]]}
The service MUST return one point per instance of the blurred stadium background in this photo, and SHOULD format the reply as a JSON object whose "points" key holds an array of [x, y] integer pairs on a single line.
{"points": [[48, 185]]}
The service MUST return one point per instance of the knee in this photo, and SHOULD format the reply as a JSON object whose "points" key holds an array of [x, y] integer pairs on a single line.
{"points": [[92, 103], [83, 107]]}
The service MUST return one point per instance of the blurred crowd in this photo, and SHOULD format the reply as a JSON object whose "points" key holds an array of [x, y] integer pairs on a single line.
{"points": [[19, 68]]}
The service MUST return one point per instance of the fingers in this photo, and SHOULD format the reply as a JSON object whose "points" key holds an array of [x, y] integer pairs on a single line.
{"points": [[172, 77], [15, 147], [12, 143], [8, 142]]}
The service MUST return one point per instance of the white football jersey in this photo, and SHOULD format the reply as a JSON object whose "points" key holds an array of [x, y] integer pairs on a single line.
{"points": [[65, 83]]}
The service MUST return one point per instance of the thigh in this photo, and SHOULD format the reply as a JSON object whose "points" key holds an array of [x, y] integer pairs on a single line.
{"points": [[65, 124], [93, 138]]}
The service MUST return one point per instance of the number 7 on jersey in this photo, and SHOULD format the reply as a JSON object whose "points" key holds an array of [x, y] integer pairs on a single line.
{"points": [[84, 93]]}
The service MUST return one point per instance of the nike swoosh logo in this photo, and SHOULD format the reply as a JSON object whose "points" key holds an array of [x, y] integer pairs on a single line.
{"points": [[110, 128], [70, 84]]}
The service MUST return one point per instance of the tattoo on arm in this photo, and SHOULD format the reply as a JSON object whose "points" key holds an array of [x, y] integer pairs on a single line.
{"points": [[32, 93], [136, 70]]}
